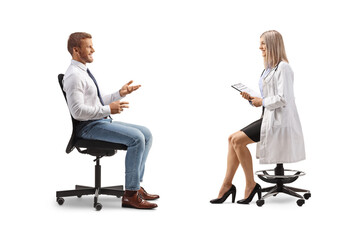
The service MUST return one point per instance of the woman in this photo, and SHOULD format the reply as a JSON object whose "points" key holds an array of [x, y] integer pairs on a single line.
{"points": [[278, 131]]}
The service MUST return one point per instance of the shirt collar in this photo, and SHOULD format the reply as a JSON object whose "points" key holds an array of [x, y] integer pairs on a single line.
{"points": [[78, 64]]}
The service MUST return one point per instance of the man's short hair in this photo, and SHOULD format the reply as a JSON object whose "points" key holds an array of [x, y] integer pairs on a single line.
{"points": [[75, 40]]}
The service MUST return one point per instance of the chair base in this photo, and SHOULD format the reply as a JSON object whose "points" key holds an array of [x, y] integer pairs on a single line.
{"points": [[281, 179], [117, 191], [79, 191], [274, 190]]}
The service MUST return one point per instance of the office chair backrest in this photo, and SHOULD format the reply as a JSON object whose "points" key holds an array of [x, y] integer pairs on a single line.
{"points": [[71, 144]]}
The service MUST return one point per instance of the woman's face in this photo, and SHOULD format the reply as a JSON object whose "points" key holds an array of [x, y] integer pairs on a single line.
{"points": [[262, 46]]}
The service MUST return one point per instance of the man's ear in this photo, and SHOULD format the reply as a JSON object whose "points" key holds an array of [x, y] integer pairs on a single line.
{"points": [[75, 50]]}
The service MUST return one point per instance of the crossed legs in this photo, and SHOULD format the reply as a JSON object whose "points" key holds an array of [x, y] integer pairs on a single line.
{"points": [[238, 153]]}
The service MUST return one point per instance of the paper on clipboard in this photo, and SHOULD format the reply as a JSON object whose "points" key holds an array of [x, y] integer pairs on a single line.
{"points": [[242, 88]]}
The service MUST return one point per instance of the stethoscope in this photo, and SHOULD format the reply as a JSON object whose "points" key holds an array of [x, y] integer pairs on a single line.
{"points": [[276, 67]]}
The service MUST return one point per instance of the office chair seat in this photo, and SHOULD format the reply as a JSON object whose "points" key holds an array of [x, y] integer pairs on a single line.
{"points": [[97, 148]]}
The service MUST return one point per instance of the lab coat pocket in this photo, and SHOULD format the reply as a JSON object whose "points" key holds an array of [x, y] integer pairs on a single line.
{"points": [[277, 117]]}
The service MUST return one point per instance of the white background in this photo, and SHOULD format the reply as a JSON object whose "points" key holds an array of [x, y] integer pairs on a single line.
{"points": [[185, 54]]}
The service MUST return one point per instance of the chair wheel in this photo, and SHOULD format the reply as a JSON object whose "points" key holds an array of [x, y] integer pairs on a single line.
{"points": [[300, 202], [79, 196], [307, 196], [98, 206], [60, 200], [118, 196], [260, 202]]}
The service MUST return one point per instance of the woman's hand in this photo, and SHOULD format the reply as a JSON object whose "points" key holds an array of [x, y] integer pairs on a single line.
{"points": [[246, 96], [257, 102]]}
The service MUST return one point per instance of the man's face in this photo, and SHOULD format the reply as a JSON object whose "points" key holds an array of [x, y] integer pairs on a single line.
{"points": [[84, 53]]}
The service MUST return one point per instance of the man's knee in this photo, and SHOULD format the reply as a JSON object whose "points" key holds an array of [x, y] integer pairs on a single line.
{"points": [[139, 139], [148, 135]]}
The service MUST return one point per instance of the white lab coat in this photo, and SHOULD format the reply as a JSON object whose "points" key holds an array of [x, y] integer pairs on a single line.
{"points": [[281, 137]]}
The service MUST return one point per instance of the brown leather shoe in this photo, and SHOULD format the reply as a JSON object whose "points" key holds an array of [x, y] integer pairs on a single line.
{"points": [[146, 195], [136, 201]]}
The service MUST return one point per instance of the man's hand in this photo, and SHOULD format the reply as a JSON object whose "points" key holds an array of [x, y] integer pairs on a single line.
{"points": [[118, 107], [127, 89], [257, 102]]}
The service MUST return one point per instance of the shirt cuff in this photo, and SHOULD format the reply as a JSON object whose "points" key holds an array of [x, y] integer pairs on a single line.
{"points": [[117, 95], [107, 110]]}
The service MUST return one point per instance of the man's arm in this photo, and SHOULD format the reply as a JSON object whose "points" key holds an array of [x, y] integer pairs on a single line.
{"points": [[74, 87]]}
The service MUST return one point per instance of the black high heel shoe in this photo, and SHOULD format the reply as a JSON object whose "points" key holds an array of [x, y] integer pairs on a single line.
{"points": [[257, 189], [232, 191]]}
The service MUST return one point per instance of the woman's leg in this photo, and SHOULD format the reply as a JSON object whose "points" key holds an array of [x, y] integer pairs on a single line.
{"points": [[232, 166], [239, 142]]}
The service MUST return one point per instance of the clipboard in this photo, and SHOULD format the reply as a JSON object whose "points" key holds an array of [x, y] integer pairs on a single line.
{"points": [[242, 88]]}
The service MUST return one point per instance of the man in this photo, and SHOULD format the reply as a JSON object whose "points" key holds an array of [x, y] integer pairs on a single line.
{"points": [[92, 109]]}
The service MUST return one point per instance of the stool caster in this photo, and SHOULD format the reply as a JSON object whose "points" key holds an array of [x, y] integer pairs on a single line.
{"points": [[300, 202], [260, 202], [98, 206], [307, 196]]}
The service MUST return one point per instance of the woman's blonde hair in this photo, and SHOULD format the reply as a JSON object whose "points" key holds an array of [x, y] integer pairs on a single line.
{"points": [[275, 49]]}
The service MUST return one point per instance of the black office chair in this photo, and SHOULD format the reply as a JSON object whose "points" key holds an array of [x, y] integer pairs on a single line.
{"points": [[279, 178], [95, 148]]}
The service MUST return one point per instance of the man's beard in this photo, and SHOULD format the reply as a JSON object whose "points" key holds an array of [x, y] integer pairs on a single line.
{"points": [[86, 58]]}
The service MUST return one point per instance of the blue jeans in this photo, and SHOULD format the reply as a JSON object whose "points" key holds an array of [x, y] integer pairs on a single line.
{"points": [[138, 139]]}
